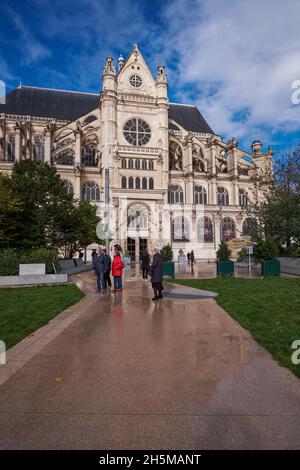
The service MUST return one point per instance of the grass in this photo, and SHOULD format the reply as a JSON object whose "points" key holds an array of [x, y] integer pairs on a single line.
{"points": [[25, 309], [269, 308]]}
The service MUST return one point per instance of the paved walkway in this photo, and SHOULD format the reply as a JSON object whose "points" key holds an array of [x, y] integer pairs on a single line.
{"points": [[128, 373]]}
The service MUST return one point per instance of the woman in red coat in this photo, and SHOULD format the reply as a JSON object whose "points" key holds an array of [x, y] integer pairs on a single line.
{"points": [[116, 270]]}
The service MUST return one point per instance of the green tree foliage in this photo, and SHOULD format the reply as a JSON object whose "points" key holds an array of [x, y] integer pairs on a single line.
{"points": [[167, 253], [223, 253], [41, 213], [278, 214], [266, 249], [10, 212]]}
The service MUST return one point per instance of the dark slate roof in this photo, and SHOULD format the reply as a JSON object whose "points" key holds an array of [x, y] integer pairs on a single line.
{"points": [[70, 105], [189, 117], [41, 102]]}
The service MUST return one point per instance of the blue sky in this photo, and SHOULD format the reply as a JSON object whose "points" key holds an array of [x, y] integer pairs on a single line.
{"points": [[235, 59]]}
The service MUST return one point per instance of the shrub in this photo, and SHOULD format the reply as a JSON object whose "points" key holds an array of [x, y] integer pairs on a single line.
{"points": [[223, 253], [167, 253], [242, 254], [181, 252], [266, 249], [9, 263], [11, 259]]}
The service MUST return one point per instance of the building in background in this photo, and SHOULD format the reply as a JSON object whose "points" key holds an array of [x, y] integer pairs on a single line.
{"points": [[171, 178]]}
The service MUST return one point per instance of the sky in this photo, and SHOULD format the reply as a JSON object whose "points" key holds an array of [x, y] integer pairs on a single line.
{"points": [[236, 60]]}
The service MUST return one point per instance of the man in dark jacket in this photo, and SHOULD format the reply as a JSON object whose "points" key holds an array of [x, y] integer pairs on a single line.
{"points": [[156, 271], [107, 267], [99, 266]]}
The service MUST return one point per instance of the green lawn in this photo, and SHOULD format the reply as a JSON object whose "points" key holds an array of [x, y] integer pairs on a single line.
{"points": [[25, 309], [269, 308]]}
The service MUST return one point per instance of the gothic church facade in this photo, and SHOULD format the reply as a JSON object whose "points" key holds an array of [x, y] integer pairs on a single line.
{"points": [[156, 168]]}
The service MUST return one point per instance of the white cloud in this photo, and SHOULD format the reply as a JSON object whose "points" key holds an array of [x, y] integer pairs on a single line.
{"points": [[248, 51]]}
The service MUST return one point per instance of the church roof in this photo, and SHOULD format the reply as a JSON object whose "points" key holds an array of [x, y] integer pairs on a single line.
{"points": [[70, 105]]}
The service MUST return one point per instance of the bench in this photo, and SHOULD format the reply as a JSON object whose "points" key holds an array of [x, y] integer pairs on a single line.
{"points": [[73, 266]]}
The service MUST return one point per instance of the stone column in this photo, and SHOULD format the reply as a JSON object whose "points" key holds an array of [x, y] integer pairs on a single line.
{"points": [[235, 193], [48, 146], [77, 188], [217, 229], [17, 144], [78, 134], [212, 191]]}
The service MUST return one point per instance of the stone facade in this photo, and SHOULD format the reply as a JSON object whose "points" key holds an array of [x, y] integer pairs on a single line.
{"points": [[170, 181]]}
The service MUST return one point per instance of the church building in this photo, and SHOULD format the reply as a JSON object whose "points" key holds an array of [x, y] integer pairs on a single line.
{"points": [[157, 171]]}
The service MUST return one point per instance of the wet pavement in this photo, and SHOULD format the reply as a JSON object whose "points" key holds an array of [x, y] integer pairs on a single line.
{"points": [[130, 373]]}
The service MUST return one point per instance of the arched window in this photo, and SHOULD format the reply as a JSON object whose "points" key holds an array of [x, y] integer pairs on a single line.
{"points": [[91, 191], [124, 182], [180, 229], [228, 228], [250, 227], [137, 217], [144, 183], [130, 185], [65, 157], [151, 183], [175, 194], [69, 187], [223, 198], [137, 183], [130, 164], [200, 195], [11, 148], [151, 165], [88, 155], [144, 164], [243, 197], [137, 164], [205, 230], [124, 163], [38, 148]]}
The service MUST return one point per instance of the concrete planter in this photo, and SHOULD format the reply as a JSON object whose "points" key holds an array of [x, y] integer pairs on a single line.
{"points": [[127, 260], [33, 279], [270, 268], [169, 268], [181, 259], [225, 268]]}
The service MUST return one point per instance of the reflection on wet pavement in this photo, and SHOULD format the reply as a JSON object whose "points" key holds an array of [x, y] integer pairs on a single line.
{"points": [[138, 374]]}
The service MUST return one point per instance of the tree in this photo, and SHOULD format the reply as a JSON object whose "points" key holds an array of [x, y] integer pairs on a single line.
{"points": [[223, 253], [278, 212], [10, 209], [78, 228], [47, 215]]}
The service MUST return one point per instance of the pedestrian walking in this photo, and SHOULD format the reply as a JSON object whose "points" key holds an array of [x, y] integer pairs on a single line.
{"points": [[117, 268], [98, 263], [188, 256], [145, 263], [107, 267], [156, 271], [192, 257]]}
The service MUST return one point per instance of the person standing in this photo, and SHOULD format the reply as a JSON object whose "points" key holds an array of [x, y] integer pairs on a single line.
{"points": [[117, 268], [156, 271], [107, 267], [192, 257], [145, 259], [98, 262], [188, 256]]}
